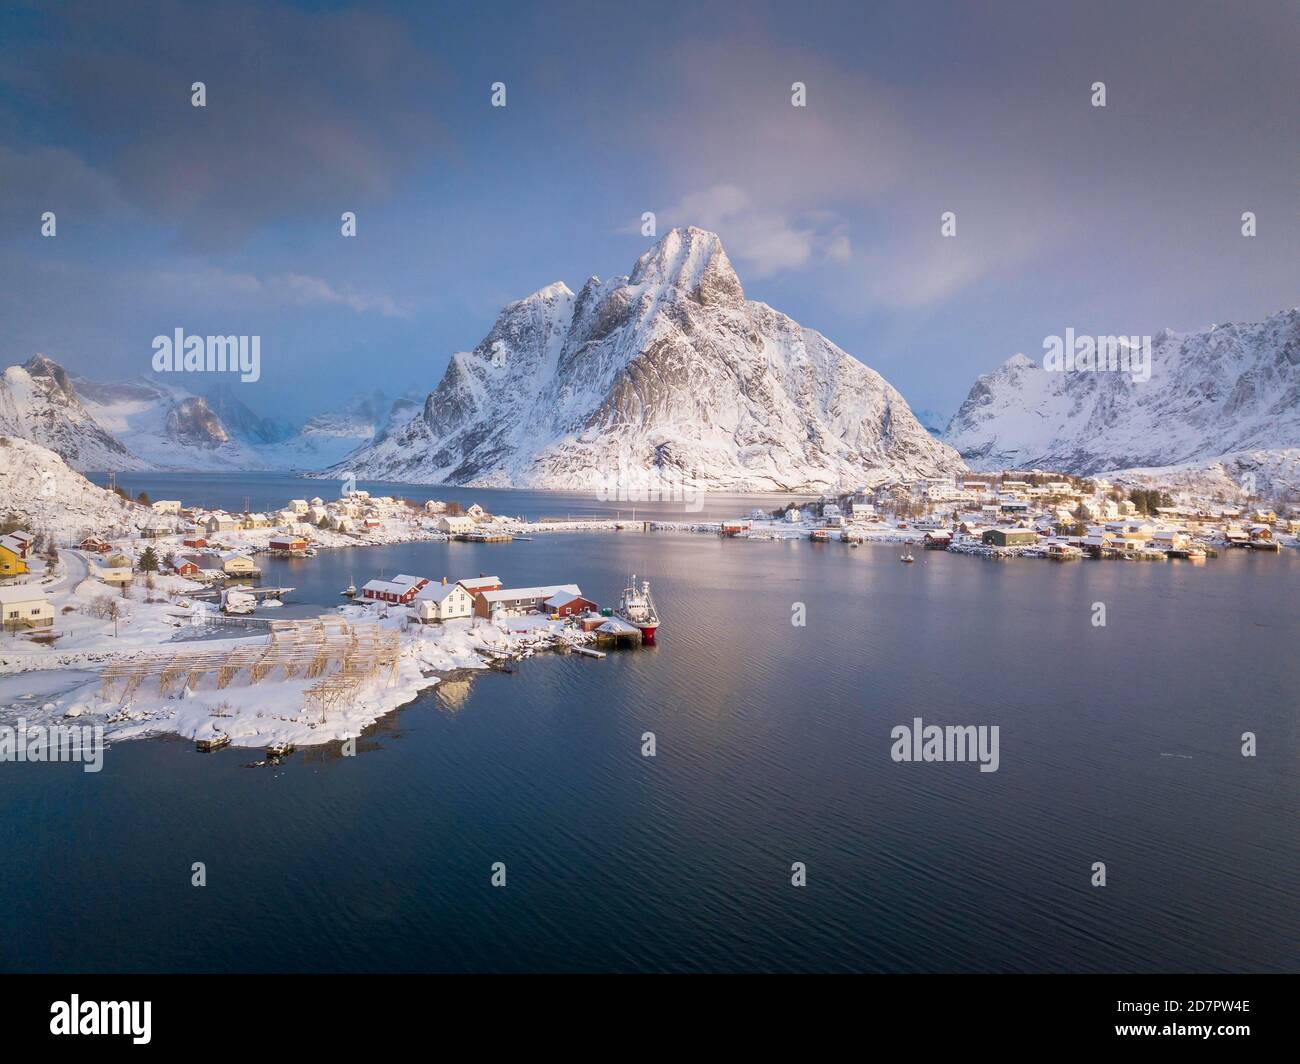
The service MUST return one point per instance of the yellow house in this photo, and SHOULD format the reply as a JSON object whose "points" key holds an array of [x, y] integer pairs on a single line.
{"points": [[11, 562], [238, 565]]}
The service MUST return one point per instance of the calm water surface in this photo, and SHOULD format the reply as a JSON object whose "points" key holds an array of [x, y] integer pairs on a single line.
{"points": [[1118, 744]]}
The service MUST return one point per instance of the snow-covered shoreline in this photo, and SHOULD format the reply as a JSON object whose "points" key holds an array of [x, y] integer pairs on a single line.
{"points": [[274, 711]]}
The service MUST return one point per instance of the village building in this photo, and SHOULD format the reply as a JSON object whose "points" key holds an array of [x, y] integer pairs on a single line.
{"points": [[288, 544], [1010, 537], [1171, 539], [166, 506], [115, 575], [239, 565], [298, 506], [13, 557], [220, 523], [455, 524], [401, 589], [509, 601], [482, 582], [569, 604], [24, 542], [25, 606], [95, 545], [196, 542], [442, 602]]}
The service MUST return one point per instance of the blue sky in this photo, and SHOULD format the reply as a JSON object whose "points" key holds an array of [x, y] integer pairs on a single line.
{"points": [[226, 219]]}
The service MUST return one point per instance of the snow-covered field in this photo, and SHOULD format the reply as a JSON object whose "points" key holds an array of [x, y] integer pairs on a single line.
{"points": [[48, 686]]}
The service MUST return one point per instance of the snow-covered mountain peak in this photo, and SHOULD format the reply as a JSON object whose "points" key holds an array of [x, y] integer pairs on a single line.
{"points": [[556, 290], [693, 262], [43, 366], [668, 372]]}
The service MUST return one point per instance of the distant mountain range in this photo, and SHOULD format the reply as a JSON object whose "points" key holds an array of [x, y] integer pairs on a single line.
{"points": [[1212, 394], [671, 371], [143, 424], [668, 371]]}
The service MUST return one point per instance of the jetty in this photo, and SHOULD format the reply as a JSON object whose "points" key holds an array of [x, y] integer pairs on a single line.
{"points": [[484, 537], [618, 632], [255, 592]]}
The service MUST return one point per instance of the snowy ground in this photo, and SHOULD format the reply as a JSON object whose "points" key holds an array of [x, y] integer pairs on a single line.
{"points": [[272, 711], [42, 684]]}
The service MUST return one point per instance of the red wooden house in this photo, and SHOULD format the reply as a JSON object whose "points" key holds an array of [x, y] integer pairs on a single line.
{"points": [[400, 589], [567, 604]]}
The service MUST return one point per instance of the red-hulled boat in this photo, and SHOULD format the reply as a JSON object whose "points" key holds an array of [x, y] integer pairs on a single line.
{"points": [[637, 607]]}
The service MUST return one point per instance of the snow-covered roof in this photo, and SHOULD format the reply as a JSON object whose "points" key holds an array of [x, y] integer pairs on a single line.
{"points": [[398, 585], [509, 594], [435, 592], [562, 598], [16, 593]]}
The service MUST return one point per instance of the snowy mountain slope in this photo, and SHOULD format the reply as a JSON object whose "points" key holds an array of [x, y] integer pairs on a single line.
{"points": [[668, 371], [1267, 475], [166, 425], [39, 403], [39, 488], [358, 419], [1220, 391], [243, 423]]}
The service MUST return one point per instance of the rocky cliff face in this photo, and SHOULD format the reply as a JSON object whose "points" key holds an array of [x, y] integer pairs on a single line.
{"points": [[669, 371], [38, 402]]}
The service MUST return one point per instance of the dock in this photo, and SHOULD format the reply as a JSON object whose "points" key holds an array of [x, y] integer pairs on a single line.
{"points": [[206, 746], [484, 537], [617, 632], [588, 652], [256, 592]]}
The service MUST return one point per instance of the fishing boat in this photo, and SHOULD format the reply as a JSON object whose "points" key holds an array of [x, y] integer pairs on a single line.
{"points": [[637, 607], [350, 591], [907, 559], [819, 535]]}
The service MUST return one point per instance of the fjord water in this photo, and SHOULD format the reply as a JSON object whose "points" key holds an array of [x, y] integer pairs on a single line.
{"points": [[1119, 744]]}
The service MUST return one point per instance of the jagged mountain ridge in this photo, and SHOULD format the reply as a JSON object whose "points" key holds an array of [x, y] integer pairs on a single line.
{"points": [[145, 424], [668, 371], [1217, 392], [39, 403]]}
